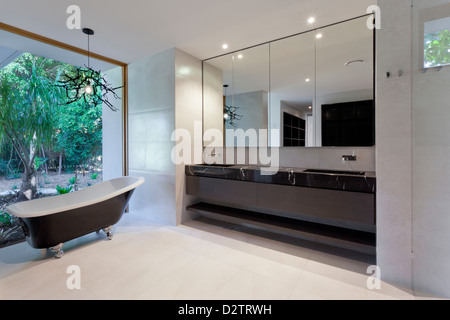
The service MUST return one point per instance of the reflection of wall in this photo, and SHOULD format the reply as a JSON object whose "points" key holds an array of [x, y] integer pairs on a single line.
{"points": [[277, 107], [285, 107], [253, 108], [213, 100]]}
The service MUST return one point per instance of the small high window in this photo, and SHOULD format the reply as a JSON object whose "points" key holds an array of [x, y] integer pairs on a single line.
{"points": [[437, 43]]}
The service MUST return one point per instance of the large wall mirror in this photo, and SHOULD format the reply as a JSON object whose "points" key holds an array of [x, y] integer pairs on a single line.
{"points": [[313, 89]]}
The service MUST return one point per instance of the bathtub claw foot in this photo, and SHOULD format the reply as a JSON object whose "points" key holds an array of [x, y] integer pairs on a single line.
{"points": [[107, 230], [57, 250]]}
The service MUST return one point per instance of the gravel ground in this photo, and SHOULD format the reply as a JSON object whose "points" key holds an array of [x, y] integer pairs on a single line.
{"points": [[46, 186], [50, 181]]}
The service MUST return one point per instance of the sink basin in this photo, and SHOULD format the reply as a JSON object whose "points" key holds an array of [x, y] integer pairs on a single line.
{"points": [[219, 165], [355, 173]]}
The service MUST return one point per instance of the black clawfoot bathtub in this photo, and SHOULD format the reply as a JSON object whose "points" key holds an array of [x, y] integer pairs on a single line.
{"points": [[49, 222]]}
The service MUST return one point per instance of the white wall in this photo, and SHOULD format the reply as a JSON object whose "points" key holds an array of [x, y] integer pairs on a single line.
{"points": [[430, 161], [112, 141], [306, 158], [393, 139], [165, 94], [413, 148], [151, 121], [188, 116]]}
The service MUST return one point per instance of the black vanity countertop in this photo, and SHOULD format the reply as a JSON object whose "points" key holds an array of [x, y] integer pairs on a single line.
{"points": [[335, 179]]}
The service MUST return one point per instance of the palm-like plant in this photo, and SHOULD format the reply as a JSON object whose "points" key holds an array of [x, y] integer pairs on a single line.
{"points": [[29, 103]]}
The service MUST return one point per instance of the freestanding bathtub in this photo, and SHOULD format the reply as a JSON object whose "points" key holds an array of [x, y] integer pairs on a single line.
{"points": [[50, 222]]}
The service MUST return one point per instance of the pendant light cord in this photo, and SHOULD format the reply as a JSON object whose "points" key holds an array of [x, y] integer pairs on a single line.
{"points": [[89, 64]]}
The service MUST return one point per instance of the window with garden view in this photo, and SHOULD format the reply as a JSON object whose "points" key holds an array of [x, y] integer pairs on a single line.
{"points": [[47, 147], [437, 43]]}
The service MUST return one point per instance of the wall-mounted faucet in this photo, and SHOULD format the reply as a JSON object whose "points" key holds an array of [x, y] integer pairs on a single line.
{"points": [[348, 158]]}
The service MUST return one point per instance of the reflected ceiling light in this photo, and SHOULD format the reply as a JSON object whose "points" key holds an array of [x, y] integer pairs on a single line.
{"points": [[319, 36], [240, 56], [310, 107], [311, 20], [225, 46]]}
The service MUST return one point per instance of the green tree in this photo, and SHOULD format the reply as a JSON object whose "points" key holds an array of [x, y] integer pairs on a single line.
{"points": [[29, 110], [437, 48], [79, 133]]}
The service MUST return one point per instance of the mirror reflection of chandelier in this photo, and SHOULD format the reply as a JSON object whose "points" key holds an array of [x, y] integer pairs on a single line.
{"points": [[229, 112], [87, 84]]}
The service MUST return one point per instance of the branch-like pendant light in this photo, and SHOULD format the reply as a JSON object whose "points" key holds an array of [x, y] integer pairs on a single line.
{"points": [[87, 84]]}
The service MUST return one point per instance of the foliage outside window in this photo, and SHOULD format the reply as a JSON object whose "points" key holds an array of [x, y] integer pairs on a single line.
{"points": [[437, 49], [43, 140]]}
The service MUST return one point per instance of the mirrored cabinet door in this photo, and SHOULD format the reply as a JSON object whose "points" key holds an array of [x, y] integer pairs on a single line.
{"points": [[247, 96], [344, 106], [236, 96], [213, 98], [308, 90], [292, 91]]}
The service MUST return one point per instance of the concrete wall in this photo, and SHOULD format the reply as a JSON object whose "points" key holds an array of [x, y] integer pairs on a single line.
{"points": [[430, 160], [413, 148], [393, 140]]}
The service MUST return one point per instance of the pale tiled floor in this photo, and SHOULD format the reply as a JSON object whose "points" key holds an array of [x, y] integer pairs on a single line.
{"points": [[197, 261]]}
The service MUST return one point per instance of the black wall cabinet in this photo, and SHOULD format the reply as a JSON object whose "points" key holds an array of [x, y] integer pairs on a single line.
{"points": [[348, 124]]}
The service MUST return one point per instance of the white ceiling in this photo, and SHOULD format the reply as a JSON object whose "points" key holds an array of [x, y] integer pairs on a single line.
{"points": [[133, 29]]}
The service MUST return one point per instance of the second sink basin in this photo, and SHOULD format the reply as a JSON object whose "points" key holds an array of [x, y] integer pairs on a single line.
{"points": [[219, 165], [355, 173]]}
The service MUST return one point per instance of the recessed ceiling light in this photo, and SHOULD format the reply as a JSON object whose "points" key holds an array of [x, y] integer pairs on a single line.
{"points": [[225, 46], [307, 79], [240, 56], [311, 20], [319, 36]]}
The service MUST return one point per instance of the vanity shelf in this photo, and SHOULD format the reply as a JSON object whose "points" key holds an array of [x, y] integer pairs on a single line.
{"points": [[359, 241]]}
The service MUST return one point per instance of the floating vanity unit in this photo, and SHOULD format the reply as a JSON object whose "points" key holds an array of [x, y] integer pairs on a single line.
{"points": [[330, 207]]}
